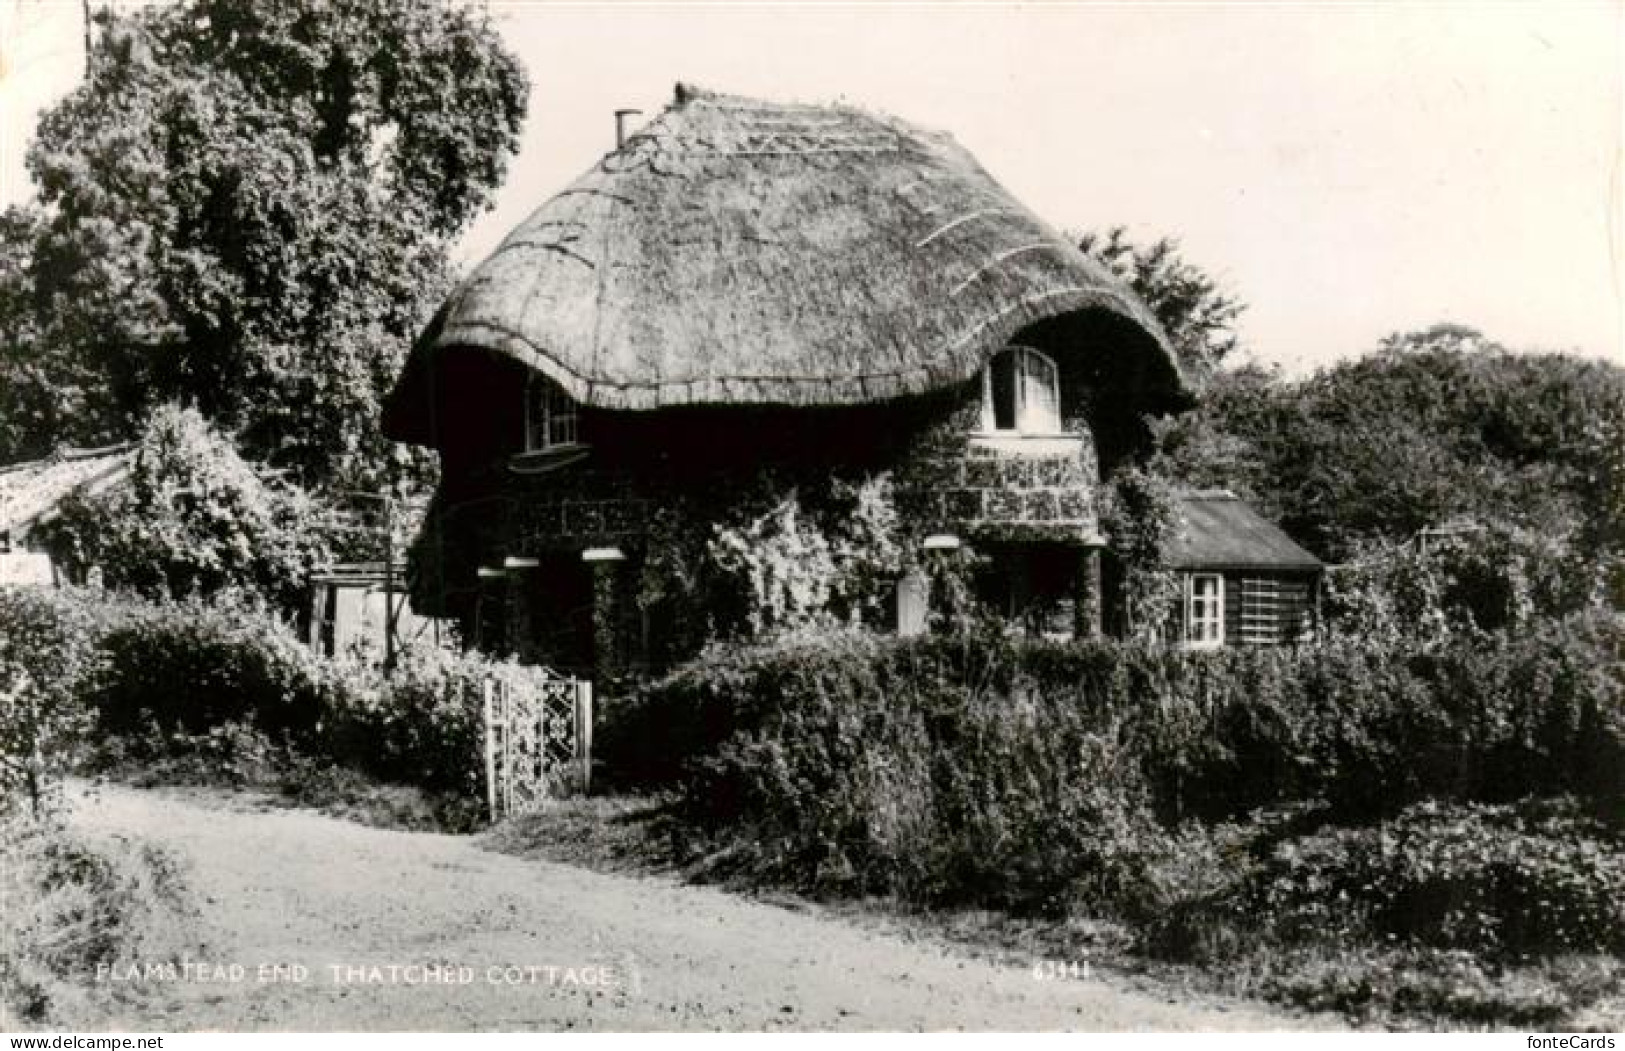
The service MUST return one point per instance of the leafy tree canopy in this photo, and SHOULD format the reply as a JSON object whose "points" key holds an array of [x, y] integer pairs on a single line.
{"points": [[247, 207], [194, 518], [1197, 313], [1437, 426]]}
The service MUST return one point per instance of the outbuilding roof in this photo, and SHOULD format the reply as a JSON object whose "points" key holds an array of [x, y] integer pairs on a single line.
{"points": [[736, 251], [1219, 531], [31, 492]]}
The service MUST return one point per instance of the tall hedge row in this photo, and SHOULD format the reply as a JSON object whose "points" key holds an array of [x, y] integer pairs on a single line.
{"points": [[167, 670], [1003, 770]]}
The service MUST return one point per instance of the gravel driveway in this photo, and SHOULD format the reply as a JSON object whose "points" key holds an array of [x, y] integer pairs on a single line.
{"points": [[319, 924]]}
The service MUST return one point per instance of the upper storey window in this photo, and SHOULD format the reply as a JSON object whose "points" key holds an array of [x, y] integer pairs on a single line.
{"points": [[1021, 394], [551, 419]]}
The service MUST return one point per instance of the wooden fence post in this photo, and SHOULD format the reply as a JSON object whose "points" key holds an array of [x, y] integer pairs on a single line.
{"points": [[490, 747], [505, 710], [584, 733]]}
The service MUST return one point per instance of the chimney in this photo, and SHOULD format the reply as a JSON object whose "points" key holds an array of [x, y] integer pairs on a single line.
{"points": [[620, 125]]}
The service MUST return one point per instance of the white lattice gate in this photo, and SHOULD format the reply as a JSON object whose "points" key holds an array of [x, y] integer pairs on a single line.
{"points": [[538, 741]]}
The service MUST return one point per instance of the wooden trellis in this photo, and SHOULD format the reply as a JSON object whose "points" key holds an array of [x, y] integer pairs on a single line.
{"points": [[538, 741]]}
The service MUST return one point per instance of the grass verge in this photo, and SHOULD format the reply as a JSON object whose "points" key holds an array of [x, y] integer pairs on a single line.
{"points": [[73, 904], [234, 756]]}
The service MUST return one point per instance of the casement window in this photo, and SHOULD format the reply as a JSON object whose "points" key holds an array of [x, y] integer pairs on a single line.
{"points": [[551, 419], [1021, 393], [1204, 610]]}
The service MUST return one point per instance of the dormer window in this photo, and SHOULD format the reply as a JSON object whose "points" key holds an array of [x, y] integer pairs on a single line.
{"points": [[551, 419], [1021, 394], [552, 429]]}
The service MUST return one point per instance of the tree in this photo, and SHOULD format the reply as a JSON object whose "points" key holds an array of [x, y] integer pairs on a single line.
{"points": [[35, 393], [1436, 426], [1222, 442], [246, 207], [194, 519], [1198, 315]]}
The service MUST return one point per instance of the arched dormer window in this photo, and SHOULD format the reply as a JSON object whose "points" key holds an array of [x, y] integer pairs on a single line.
{"points": [[1021, 393], [551, 419]]}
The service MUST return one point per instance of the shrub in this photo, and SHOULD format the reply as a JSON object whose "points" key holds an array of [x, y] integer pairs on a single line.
{"points": [[421, 726], [1498, 881], [230, 686], [194, 519], [1017, 773], [864, 766], [1436, 988], [187, 667], [48, 658], [231, 755], [1366, 727], [224, 692], [830, 563], [1488, 577], [1140, 513]]}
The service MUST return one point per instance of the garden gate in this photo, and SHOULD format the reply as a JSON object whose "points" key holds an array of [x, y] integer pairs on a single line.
{"points": [[538, 740]]}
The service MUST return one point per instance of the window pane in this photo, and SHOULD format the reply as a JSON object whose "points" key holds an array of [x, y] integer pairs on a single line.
{"points": [[1040, 409], [1003, 384], [561, 417], [1206, 618], [535, 414], [550, 416]]}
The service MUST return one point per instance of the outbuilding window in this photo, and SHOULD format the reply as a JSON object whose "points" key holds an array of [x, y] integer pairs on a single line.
{"points": [[1021, 393], [1204, 610], [550, 416]]}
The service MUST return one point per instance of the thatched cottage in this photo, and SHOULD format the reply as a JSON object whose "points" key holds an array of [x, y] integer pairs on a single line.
{"points": [[750, 294]]}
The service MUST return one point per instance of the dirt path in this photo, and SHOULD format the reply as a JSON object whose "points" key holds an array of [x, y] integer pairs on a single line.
{"points": [[281, 887]]}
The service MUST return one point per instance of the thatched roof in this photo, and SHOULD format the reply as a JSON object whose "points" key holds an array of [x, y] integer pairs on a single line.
{"points": [[1219, 531], [31, 492], [744, 252]]}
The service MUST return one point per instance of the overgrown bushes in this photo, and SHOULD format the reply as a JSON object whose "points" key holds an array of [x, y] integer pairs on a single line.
{"points": [[1474, 576], [194, 519], [48, 660], [188, 667], [1037, 777], [1499, 881], [1451, 809], [227, 685], [421, 726], [1365, 728]]}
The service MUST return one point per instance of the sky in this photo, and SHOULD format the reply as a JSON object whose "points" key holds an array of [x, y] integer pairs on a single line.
{"points": [[1347, 170]]}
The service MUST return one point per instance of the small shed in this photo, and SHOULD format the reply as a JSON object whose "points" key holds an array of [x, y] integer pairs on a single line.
{"points": [[1244, 582], [351, 603], [32, 493]]}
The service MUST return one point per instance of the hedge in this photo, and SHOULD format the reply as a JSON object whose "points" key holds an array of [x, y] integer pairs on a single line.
{"points": [[186, 671], [1014, 772]]}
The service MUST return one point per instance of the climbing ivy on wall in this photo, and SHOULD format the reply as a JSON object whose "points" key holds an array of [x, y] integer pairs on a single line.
{"points": [[813, 559], [1140, 515]]}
